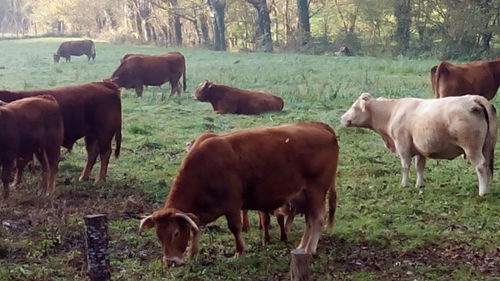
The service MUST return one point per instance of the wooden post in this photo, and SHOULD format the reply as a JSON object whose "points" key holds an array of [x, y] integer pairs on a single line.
{"points": [[299, 265], [96, 247]]}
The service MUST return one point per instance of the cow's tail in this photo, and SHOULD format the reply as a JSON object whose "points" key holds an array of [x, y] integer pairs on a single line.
{"points": [[442, 69], [184, 78], [490, 116], [332, 193], [118, 141]]}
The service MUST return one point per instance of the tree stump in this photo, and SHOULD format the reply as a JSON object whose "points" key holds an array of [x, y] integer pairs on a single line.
{"points": [[299, 265], [96, 247]]}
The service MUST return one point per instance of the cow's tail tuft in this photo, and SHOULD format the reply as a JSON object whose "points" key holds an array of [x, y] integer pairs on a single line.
{"points": [[490, 116], [440, 71], [332, 193]]}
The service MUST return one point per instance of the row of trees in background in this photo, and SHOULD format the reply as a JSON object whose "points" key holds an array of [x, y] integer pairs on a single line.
{"points": [[438, 28]]}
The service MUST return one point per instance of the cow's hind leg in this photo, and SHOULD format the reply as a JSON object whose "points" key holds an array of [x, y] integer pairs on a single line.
{"points": [[266, 220], [281, 222], [6, 177], [314, 218], [139, 89], [234, 224], [44, 162], [477, 159], [244, 219], [420, 165], [20, 165], [92, 152], [52, 153], [104, 155]]}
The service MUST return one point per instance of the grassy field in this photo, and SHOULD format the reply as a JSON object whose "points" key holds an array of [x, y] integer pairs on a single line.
{"points": [[383, 232]]}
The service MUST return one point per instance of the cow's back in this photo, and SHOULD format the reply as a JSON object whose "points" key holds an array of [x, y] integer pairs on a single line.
{"points": [[265, 167]]}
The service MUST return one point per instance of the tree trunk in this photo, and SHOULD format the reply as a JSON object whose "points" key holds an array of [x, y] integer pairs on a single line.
{"points": [[264, 21], [178, 30], [402, 12], [304, 25], [217, 7], [205, 37]]}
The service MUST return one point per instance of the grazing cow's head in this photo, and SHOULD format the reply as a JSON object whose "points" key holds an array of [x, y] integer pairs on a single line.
{"points": [[202, 92], [56, 58], [173, 229], [358, 115]]}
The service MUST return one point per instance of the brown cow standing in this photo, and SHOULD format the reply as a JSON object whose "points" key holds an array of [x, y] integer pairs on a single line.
{"points": [[226, 99], [139, 70], [92, 111], [478, 78], [31, 125], [252, 169], [75, 48]]}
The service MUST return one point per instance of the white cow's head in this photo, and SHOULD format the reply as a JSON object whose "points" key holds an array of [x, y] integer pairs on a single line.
{"points": [[358, 115]]}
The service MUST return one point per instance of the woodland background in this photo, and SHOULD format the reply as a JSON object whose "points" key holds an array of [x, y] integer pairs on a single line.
{"points": [[444, 29]]}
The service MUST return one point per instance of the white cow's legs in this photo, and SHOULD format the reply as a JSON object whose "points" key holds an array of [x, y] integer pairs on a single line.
{"points": [[477, 159], [405, 164], [420, 165]]}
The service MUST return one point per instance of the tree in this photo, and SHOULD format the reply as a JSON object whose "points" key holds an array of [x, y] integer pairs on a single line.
{"points": [[304, 25], [264, 23], [218, 9], [402, 12]]}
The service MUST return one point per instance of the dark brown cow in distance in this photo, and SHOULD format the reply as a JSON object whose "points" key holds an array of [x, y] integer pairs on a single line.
{"points": [[477, 78], [225, 99], [91, 111], [75, 48], [31, 126], [136, 71], [253, 169]]}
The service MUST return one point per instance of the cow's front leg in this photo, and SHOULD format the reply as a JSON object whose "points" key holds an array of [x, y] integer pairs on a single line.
{"points": [[420, 165], [405, 165], [234, 224]]}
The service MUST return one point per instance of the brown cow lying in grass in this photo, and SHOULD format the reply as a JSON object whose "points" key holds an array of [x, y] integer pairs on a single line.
{"points": [[225, 99], [431, 128], [75, 48], [253, 169], [91, 111], [136, 71], [31, 126], [477, 78]]}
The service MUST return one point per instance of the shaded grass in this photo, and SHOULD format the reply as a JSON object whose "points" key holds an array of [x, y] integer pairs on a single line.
{"points": [[383, 232]]}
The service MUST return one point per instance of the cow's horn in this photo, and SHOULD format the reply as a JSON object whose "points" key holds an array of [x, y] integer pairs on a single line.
{"points": [[146, 222], [188, 219]]}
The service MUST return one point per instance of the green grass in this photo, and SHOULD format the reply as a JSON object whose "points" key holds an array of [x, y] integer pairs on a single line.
{"points": [[383, 232]]}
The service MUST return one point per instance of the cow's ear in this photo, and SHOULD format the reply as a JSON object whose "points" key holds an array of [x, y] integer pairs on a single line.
{"points": [[147, 222]]}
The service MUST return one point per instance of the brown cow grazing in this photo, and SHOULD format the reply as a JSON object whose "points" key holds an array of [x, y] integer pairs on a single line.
{"points": [[75, 48], [139, 70], [91, 111], [433, 128], [477, 78], [252, 169], [226, 99], [31, 125]]}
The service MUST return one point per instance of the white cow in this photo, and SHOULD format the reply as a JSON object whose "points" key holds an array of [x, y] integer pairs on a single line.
{"points": [[431, 128]]}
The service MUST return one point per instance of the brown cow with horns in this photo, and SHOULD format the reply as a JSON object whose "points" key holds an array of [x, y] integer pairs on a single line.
{"points": [[252, 169], [92, 111]]}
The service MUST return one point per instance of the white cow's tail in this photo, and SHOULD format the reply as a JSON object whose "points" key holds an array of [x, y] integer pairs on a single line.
{"points": [[490, 115]]}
